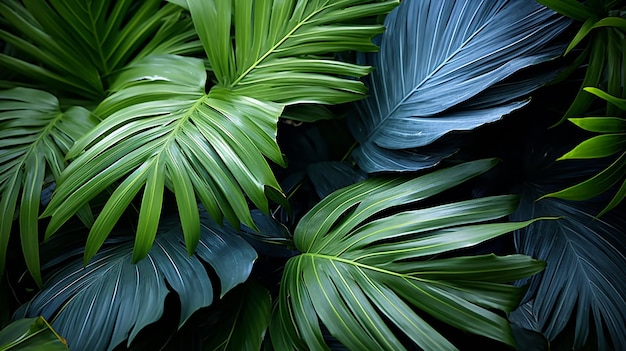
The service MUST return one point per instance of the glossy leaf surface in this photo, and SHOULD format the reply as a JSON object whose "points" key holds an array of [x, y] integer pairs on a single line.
{"points": [[362, 277], [74, 46], [110, 300], [439, 70], [35, 135]]}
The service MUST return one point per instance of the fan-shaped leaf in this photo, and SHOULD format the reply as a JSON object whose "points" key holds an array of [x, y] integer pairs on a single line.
{"points": [[438, 71], [165, 126], [111, 299], [585, 273], [35, 134], [160, 111], [362, 275], [275, 54]]}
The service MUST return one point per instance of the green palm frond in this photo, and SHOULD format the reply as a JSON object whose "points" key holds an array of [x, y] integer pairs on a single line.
{"points": [[601, 36], [161, 129], [35, 135], [364, 276], [274, 55], [73, 46], [611, 141]]}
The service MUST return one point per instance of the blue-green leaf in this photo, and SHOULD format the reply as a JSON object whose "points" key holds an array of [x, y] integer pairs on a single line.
{"points": [[442, 67], [98, 306]]}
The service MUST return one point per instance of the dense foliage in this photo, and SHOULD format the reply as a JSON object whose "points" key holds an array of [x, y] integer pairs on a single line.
{"points": [[312, 174]]}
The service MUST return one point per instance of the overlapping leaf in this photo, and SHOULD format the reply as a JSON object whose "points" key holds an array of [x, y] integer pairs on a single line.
{"points": [[282, 50], [443, 66], [602, 57], [31, 334], [74, 45], [367, 278], [244, 316], [35, 135], [111, 299], [583, 282], [611, 142], [163, 130]]}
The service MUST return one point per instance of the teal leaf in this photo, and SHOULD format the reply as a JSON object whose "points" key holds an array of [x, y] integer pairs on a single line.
{"points": [[98, 306], [581, 290], [443, 66]]}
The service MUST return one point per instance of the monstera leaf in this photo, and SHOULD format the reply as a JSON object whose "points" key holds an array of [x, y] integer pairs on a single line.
{"points": [[110, 300], [35, 134], [162, 129], [443, 66], [73, 45], [369, 274]]}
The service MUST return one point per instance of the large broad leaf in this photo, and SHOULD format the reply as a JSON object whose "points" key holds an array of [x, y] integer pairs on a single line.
{"points": [[368, 277], [443, 66], [73, 45], [162, 129], [110, 300], [578, 300], [35, 135], [585, 274]]}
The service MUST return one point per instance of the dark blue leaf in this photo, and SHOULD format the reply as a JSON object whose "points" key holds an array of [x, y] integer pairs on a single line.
{"points": [[584, 280], [333, 175], [110, 300], [443, 66]]}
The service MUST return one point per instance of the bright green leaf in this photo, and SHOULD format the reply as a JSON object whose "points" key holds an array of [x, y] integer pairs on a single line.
{"points": [[596, 147], [367, 277], [601, 124], [34, 137]]}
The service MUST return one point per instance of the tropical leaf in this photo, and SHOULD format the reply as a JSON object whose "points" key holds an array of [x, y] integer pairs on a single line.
{"points": [[581, 292], [611, 142], [74, 46], [584, 277], [363, 274], [275, 54], [162, 129], [603, 56], [443, 66], [244, 315], [31, 334], [98, 306], [35, 135], [332, 175]]}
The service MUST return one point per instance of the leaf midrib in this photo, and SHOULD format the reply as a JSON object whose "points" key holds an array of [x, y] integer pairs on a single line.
{"points": [[363, 266], [423, 81], [45, 133], [275, 46]]}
